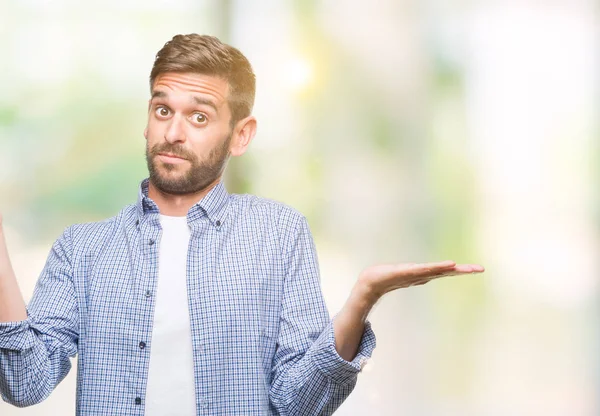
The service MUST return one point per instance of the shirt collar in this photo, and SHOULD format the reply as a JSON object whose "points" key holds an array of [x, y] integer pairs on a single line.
{"points": [[213, 205]]}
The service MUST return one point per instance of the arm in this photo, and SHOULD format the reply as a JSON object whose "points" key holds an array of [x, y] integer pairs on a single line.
{"points": [[35, 350], [308, 375], [12, 305], [317, 360], [376, 281]]}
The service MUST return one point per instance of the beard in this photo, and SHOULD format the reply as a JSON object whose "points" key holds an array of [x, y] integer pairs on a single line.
{"points": [[199, 175]]}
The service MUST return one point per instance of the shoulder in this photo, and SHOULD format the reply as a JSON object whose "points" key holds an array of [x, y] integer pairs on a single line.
{"points": [[255, 207], [96, 232], [274, 219]]}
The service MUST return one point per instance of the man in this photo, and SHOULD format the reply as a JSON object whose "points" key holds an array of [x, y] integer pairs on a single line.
{"points": [[192, 301]]}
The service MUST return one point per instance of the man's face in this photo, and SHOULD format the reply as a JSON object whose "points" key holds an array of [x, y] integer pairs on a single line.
{"points": [[188, 135]]}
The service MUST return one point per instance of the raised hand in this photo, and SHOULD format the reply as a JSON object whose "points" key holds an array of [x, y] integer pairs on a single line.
{"points": [[384, 278], [376, 281]]}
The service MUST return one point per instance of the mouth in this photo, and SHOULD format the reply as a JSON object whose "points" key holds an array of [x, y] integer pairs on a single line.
{"points": [[171, 158]]}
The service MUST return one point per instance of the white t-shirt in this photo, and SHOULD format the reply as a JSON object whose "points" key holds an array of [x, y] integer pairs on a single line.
{"points": [[170, 389]]}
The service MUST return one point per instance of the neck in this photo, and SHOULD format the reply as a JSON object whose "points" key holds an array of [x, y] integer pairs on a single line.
{"points": [[177, 205]]}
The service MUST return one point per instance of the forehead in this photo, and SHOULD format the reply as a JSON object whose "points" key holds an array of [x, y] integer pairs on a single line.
{"points": [[173, 84]]}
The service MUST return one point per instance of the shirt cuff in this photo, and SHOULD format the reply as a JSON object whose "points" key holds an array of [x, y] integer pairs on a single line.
{"points": [[329, 362], [16, 335]]}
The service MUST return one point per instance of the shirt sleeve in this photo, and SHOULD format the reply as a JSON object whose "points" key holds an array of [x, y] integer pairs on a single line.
{"points": [[308, 376], [34, 353]]}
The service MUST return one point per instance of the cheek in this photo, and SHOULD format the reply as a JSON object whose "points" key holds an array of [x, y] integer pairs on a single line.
{"points": [[199, 149], [201, 138]]}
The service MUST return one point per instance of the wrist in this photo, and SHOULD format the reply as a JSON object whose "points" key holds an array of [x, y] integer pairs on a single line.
{"points": [[362, 299]]}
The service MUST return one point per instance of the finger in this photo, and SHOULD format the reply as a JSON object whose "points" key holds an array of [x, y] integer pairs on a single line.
{"points": [[430, 269], [453, 273], [469, 268], [421, 280], [439, 265], [477, 268]]}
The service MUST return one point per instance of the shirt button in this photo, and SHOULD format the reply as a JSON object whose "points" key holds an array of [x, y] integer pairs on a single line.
{"points": [[218, 223], [151, 242], [138, 400], [148, 293], [142, 345]]}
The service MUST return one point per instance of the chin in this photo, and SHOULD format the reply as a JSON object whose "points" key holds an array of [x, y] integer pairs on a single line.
{"points": [[170, 169]]}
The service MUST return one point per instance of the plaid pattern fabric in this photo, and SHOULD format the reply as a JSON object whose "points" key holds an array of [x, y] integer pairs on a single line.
{"points": [[263, 341]]}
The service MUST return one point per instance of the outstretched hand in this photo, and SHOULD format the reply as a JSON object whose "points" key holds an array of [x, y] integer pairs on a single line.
{"points": [[376, 281], [384, 278]]}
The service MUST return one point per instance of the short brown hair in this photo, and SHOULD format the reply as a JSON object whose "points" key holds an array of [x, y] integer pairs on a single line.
{"points": [[207, 55]]}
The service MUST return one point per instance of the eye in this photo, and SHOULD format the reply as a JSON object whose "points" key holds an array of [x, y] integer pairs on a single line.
{"points": [[162, 111], [199, 118]]}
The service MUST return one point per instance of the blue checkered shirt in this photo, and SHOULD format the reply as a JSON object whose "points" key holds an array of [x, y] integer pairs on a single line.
{"points": [[263, 341]]}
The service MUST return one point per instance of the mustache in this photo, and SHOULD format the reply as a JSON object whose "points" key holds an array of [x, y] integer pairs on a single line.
{"points": [[173, 149]]}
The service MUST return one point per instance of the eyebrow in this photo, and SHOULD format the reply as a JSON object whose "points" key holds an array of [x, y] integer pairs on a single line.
{"points": [[204, 101], [197, 100]]}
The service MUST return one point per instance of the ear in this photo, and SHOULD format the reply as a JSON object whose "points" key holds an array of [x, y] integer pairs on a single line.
{"points": [[146, 132], [242, 135]]}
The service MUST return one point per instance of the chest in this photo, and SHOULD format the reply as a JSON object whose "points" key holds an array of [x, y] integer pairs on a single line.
{"points": [[233, 282]]}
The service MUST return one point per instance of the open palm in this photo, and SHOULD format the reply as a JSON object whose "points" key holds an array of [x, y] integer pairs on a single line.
{"points": [[384, 278]]}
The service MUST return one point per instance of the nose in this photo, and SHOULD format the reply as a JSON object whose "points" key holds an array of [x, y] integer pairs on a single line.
{"points": [[175, 131]]}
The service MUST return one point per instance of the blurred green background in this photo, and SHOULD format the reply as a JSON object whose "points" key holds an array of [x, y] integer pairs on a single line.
{"points": [[405, 131]]}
